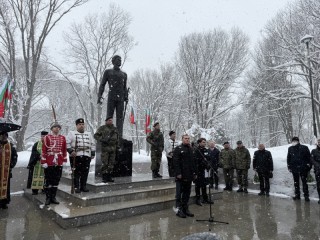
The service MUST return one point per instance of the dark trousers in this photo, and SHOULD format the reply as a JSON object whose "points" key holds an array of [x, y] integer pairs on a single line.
{"points": [[317, 174], [264, 181], [52, 175], [203, 191], [183, 190], [170, 167], [81, 170], [117, 105], [296, 177], [214, 178]]}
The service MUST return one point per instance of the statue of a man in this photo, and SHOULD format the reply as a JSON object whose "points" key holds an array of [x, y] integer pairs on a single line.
{"points": [[118, 94]]}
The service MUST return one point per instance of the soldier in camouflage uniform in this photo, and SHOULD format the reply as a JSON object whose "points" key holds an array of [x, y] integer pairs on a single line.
{"points": [[243, 162], [227, 162], [155, 138], [108, 136]]}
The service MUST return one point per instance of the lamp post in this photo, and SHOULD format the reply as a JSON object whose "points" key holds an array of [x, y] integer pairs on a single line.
{"points": [[307, 39]]}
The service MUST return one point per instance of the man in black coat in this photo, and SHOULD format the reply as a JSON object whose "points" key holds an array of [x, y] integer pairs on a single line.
{"points": [[185, 172], [214, 161], [299, 164], [263, 165], [315, 161], [201, 158]]}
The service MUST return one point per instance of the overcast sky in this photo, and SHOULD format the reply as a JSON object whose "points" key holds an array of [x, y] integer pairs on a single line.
{"points": [[157, 25]]}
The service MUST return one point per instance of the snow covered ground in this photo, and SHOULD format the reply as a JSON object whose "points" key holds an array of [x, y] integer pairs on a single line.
{"points": [[281, 183]]}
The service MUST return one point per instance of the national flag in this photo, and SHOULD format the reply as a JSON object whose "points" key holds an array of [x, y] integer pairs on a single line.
{"points": [[5, 95], [148, 121], [132, 116]]}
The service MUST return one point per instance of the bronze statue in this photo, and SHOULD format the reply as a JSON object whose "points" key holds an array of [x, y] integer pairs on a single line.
{"points": [[118, 92]]}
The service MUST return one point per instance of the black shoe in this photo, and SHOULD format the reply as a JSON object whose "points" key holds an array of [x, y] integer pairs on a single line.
{"points": [[267, 194], [245, 190], [77, 190], [84, 189], [319, 202], [210, 186], [54, 201], [34, 192], [4, 206], [198, 202], [296, 198], [307, 199], [226, 189], [107, 178], [181, 214], [154, 174], [216, 187], [261, 193], [158, 175], [188, 213], [240, 190], [48, 201]]}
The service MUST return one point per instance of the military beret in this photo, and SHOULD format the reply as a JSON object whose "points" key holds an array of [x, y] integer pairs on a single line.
{"points": [[79, 120], [108, 118]]}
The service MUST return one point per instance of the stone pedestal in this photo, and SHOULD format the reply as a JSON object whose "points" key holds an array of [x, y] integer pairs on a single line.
{"points": [[123, 165]]}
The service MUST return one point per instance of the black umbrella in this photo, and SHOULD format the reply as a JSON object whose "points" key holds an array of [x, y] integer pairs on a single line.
{"points": [[8, 127]]}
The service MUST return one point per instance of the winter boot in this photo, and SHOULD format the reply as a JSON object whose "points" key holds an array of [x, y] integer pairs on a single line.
{"points": [[267, 194], [53, 195], [216, 187], [109, 178], [35, 191], [307, 199], [48, 196], [245, 190], [158, 175], [198, 202], [296, 197], [181, 214], [83, 185], [104, 178], [207, 200], [240, 189], [154, 174], [187, 212], [261, 193], [4, 206]]}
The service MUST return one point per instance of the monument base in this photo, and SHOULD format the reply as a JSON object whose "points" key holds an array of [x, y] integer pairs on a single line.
{"points": [[123, 165]]}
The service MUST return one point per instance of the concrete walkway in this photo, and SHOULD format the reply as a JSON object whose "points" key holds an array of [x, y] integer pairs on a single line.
{"points": [[249, 217]]}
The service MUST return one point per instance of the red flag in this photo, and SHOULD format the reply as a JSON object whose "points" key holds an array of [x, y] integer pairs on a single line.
{"points": [[148, 121], [2, 109], [132, 118]]}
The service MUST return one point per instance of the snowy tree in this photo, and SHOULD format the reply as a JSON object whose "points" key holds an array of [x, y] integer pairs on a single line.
{"points": [[27, 24], [209, 64]]}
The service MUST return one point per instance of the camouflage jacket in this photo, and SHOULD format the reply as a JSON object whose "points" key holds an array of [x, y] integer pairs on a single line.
{"points": [[108, 136], [227, 158], [243, 158], [155, 138]]}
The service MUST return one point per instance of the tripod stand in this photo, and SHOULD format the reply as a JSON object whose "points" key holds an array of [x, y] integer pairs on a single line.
{"points": [[211, 218]]}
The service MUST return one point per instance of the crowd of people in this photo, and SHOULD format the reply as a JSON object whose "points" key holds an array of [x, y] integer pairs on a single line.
{"points": [[199, 163]]}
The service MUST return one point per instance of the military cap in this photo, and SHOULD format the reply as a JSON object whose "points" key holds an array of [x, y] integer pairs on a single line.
{"points": [[79, 120], [108, 118], [239, 142], [225, 143]]}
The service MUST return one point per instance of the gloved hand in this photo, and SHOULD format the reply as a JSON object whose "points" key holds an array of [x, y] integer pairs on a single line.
{"points": [[45, 165]]}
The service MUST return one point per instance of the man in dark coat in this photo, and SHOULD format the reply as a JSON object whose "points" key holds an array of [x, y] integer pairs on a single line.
{"points": [[214, 161], [299, 164], [315, 160], [8, 160], [201, 158], [155, 138], [35, 158], [263, 165], [118, 93], [185, 172]]}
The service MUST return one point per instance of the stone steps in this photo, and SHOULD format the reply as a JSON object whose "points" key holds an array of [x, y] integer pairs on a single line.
{"points": [[106, 202]]}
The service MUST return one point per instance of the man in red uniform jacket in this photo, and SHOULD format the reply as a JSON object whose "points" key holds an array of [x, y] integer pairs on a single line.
{"points": [[54, 154]]}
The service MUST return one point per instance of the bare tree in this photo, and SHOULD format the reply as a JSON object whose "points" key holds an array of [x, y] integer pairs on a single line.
{"points": [[210, 63], [34, 20], [90, 47]]}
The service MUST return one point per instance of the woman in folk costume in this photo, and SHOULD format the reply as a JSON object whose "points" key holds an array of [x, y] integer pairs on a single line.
{"points": [[54, 154], [8, 160], [36, 173]]}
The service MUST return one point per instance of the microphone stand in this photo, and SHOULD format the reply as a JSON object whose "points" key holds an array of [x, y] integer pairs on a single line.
{"points": [[211, 218]]}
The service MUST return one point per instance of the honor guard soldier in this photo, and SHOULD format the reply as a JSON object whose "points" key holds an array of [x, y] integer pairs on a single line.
{"points": [[108, 136], [36, 173], [8, 160], [54, 154], [81, 148], [155, 138]]}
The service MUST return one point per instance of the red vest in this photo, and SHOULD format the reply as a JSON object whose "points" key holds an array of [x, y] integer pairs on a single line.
{"points": [[54, 150]]}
